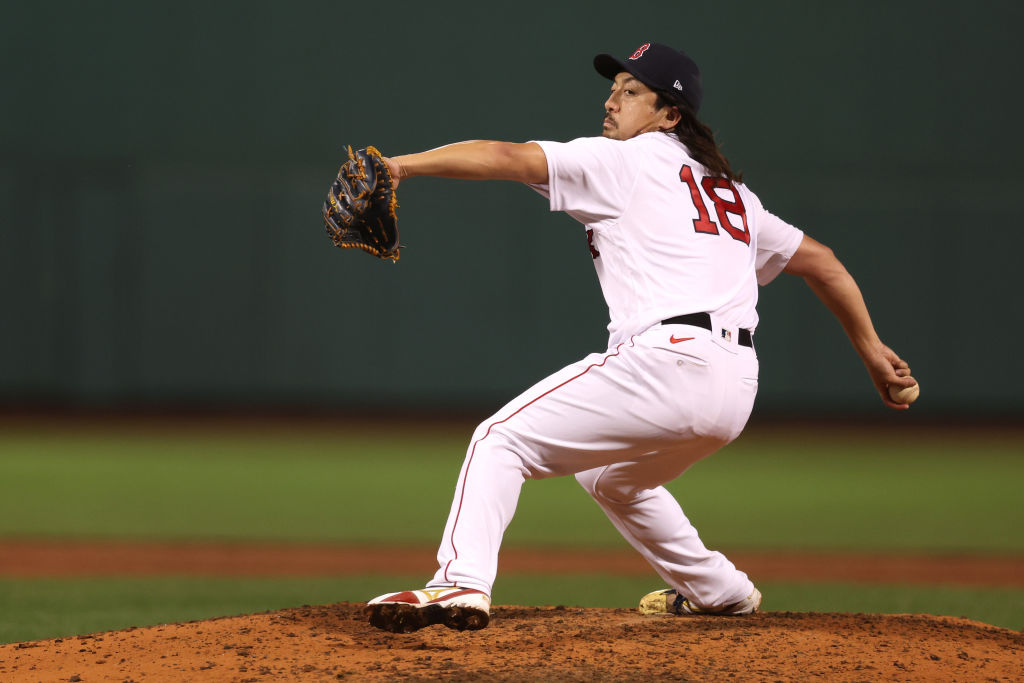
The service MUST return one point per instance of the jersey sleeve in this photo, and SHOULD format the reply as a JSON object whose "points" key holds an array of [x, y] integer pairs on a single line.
{"points": [[777, 241], [588, 178]]}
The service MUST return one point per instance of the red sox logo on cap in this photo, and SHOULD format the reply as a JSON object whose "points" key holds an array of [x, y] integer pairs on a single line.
{"points": [[640, 51]]}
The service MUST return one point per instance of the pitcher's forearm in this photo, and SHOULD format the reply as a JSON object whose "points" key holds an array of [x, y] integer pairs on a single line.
{"points": [[841, 295], [478, 160], [832, 283]]}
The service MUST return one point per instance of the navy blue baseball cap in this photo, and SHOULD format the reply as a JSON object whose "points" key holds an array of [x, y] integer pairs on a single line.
{"points": [[659, 67]]}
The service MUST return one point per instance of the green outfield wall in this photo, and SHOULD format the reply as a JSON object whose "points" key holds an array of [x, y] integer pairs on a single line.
{"points": [[162, 167]]}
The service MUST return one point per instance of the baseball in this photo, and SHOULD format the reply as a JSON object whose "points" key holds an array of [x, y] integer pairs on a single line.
{"points": [[904, 394]]}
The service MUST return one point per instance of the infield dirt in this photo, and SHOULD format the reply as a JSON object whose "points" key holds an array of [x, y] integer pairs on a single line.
{"points": [[334, 642], [331, 643]]}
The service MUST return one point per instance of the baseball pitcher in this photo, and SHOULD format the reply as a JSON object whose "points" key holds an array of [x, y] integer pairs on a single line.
{"points": [[680, 246]]}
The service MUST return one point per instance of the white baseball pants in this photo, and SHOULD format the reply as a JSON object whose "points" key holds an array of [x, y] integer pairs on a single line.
{"points": [[624, 422]]}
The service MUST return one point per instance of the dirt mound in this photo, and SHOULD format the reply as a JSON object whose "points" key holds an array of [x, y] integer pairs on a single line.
{"points": [[532, 643]]}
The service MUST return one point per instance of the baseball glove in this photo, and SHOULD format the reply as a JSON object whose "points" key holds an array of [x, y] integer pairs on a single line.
{"points": [[360, 211]]}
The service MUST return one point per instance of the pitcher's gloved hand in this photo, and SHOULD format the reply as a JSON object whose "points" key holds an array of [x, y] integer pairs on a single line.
{"points": [[361, 207]]}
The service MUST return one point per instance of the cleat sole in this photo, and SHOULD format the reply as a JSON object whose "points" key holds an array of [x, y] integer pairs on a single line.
{"points": [[404, 618]]}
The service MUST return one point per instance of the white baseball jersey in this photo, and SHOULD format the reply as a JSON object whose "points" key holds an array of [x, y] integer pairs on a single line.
{"points": [[667, 240], [710, 258]]}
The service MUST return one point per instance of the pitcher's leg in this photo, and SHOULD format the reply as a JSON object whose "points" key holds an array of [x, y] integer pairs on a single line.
{"points": [[714, 393], [562, 425], [485, 501], [654, 523]]}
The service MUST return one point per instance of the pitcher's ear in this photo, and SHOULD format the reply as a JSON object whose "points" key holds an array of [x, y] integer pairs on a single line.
{"points": [[672, 117]]}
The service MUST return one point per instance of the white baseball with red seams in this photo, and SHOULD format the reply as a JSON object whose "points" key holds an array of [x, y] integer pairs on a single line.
{"points": [[662, 396]]}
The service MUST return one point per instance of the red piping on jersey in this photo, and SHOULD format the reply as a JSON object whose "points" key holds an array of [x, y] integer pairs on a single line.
{"points": [[472, 451]]}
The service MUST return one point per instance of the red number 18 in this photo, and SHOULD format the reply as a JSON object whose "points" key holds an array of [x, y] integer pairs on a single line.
{"points": [[723, 207]]}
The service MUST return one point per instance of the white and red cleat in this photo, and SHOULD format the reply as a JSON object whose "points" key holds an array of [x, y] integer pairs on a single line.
{"points": [[463, 609]]}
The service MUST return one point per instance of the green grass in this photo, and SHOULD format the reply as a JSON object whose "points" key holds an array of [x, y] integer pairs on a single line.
{"points": [[267, 487], [861, 494], [940, 496], [801, 491], [50, 608]]}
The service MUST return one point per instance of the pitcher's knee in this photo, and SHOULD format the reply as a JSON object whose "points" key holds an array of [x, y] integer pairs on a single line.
{"points": [[606, 489], [588, 480], [501, 450], [480, 432]]}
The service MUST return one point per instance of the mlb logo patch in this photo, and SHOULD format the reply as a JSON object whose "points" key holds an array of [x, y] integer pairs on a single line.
{"points": [[727, 335]]}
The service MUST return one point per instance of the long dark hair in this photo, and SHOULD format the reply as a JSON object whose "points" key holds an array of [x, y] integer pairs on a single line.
{"points": [[698, 138]]}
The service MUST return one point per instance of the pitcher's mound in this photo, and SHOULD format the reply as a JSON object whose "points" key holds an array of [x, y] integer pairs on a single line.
{"points": [[533, 644]]}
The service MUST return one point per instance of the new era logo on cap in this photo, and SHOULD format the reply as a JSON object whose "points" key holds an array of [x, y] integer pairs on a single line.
{"points": [[659, 67]]}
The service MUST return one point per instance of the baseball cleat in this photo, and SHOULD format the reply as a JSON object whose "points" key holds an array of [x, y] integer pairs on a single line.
{"points": [[463, 609], [669, 601]]}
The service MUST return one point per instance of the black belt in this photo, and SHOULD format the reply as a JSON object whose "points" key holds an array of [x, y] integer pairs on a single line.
{"points": [[704, 320]]}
